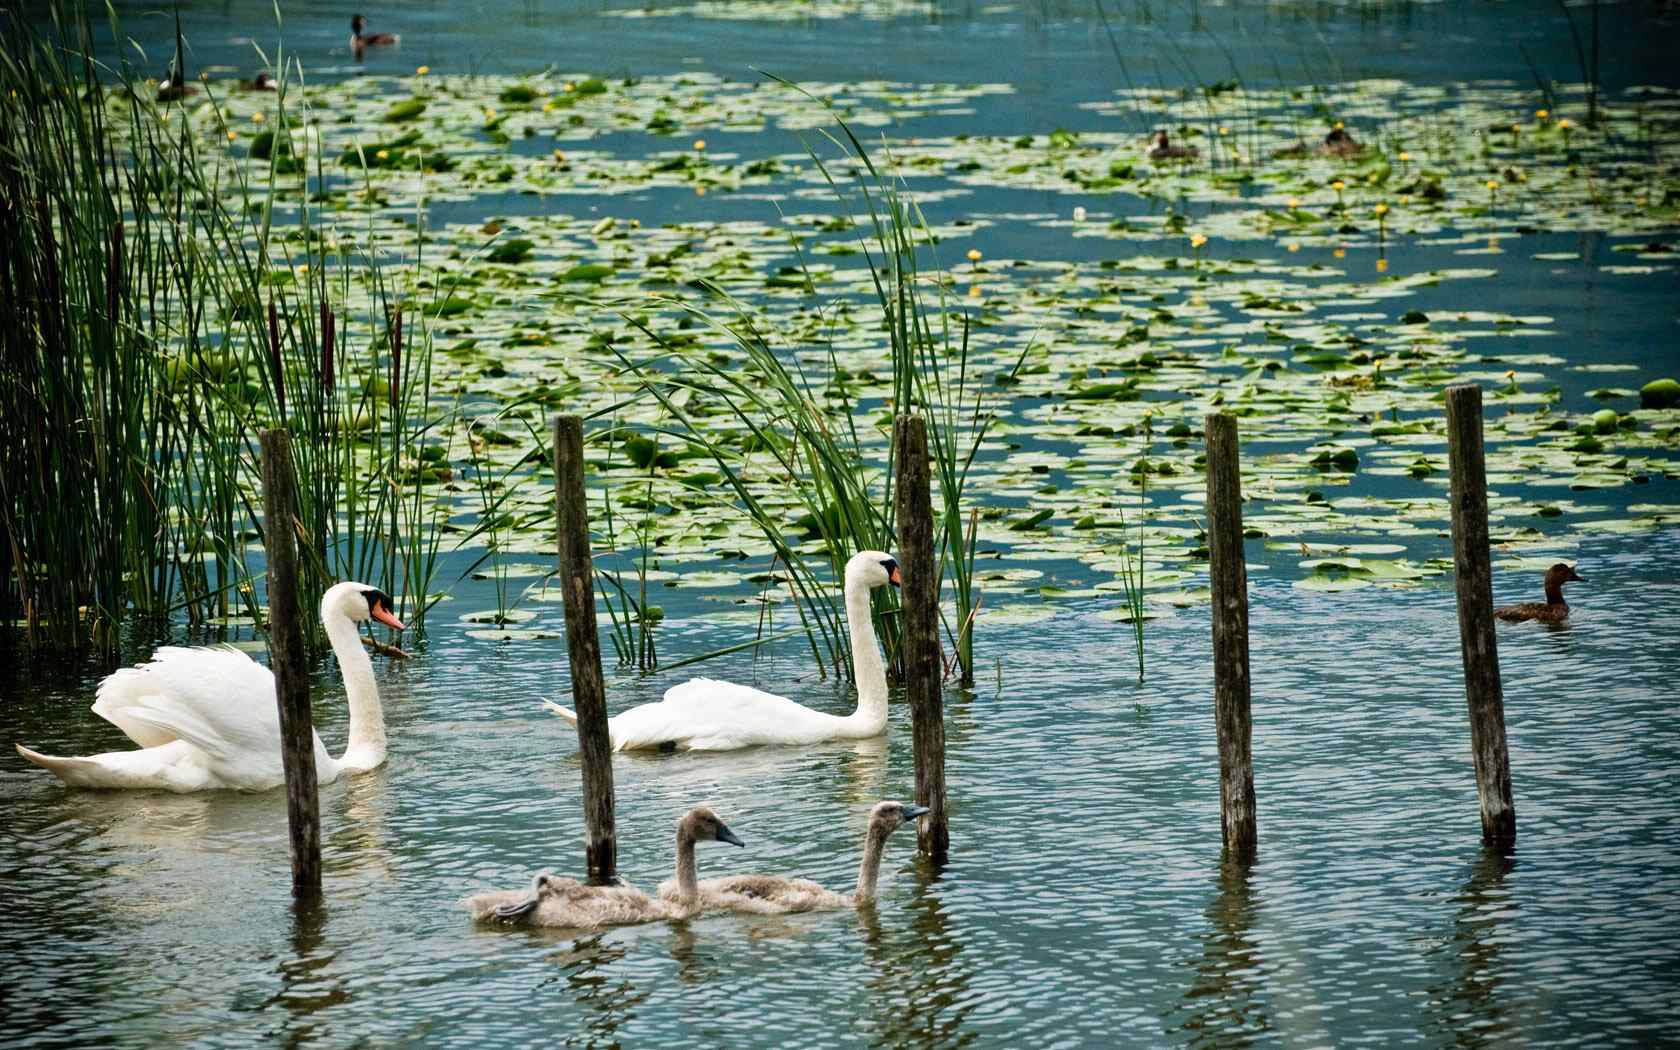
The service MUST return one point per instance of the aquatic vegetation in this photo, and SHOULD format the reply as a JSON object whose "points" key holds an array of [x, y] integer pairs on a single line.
{"points": [[161, 320], [762, 347]]}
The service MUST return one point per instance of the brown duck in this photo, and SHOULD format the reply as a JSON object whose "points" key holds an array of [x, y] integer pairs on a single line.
{"points": [[1163, 149], [1554, 609]]}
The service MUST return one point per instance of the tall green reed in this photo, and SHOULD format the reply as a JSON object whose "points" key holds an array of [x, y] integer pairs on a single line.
{"points": [[807, 427], [157, 328]]}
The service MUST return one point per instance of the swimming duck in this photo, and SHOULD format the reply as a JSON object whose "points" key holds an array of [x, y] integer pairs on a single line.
{"points": [[261, 82], [360, 41], [1553, 609], [1338, 143], [1163, 149], [174, 88]]}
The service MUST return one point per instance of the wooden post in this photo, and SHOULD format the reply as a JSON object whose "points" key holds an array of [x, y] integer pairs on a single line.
{"points": [[920, 638], [1228, 578], [289, 661], [583, 640], [1473, 569]]}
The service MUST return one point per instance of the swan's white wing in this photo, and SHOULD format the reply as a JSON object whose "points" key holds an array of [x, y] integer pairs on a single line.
{"points": [[704, 714], [219, 700]]}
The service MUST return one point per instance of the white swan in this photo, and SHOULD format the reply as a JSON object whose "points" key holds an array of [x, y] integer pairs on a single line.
{"points": [[703, 714], [573, 905], [775, 895], [206, 718]]}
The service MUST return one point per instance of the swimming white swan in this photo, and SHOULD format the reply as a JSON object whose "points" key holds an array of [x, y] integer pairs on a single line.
{"points": [[573, 905], [774, 895], [703, 714], [206, 718]]}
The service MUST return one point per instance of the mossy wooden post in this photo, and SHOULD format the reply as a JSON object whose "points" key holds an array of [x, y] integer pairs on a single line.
{"points": [[920, 640], [583, 640], [1228, 579], [289, 661], [1473, 570]]}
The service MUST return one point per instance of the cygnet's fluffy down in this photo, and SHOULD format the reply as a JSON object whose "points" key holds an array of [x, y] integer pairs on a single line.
{"points": [[566, 903], [555, 900], [775, 895]]}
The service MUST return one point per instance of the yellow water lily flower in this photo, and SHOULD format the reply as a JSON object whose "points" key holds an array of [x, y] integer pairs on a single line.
{"points": [[699, 144], [421, 71], [974, 255], [1197, 240], [1380, 210]]}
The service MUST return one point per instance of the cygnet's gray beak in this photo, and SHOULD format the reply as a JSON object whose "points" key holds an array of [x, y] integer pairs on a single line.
{"points": [[517, 909], [911, 812], [725, 835]]}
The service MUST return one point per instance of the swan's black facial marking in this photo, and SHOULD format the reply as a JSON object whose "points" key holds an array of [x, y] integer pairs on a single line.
{"points": [[891, 566], [376, 598]]}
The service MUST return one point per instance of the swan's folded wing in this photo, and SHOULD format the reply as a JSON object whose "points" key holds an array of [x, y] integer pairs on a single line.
{"points": [[706, 714], [220, 700]]}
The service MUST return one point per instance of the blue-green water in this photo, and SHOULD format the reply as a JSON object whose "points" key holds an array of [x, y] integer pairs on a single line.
{"points": [[1085, 903]]}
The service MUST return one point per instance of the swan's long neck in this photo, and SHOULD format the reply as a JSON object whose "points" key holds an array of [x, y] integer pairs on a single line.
{"points": [[870, 718], [869, 872], [366, 746], [688, 877]]}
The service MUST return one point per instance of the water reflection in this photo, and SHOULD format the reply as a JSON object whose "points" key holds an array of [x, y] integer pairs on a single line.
{"points": [[694, 966], [607, 1000], [308, 985], [360, 838], [1225, 1004], [919, 995], [1469, 1006]]}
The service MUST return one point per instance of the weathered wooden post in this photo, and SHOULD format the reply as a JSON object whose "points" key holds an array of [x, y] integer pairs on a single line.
{"points": [[1228, 578], [920, 637], [1473, 569], [589, 691], [289, 661]]}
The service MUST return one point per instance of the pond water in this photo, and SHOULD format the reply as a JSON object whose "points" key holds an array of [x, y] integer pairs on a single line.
{"points": [[1085, 903]]}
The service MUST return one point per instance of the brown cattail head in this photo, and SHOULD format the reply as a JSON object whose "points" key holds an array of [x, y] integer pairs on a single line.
{"points": [[396, 356], [274, 358], [326, 348]]}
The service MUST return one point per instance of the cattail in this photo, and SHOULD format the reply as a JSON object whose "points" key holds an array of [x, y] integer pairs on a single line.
{"points": [[113, 275], [274, 358], [326, 348], [396, 356]]}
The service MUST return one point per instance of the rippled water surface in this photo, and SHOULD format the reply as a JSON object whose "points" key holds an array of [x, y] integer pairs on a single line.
{"points": [[1084, 903]]}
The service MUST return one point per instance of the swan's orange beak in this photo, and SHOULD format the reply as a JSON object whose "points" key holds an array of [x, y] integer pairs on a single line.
{"points": [[383, 615], [893, 578]]}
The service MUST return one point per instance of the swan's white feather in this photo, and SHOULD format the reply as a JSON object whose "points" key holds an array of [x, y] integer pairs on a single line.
{"points": [[219, 694], [703, 714], [206, 718]]}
